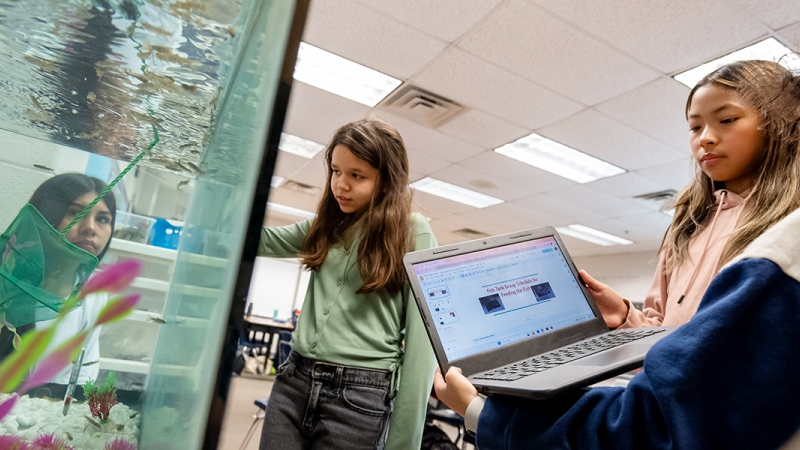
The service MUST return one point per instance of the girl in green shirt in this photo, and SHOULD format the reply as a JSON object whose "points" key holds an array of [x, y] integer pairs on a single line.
{"points": [[361, 366]]}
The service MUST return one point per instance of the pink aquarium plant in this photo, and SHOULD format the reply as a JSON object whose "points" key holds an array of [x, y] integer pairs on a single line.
{"points": [[119, 444], [49, 442], [8, 442]]}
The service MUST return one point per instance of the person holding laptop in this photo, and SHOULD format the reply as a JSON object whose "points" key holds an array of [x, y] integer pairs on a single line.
{"points": [[727, 378], [744, 137]]}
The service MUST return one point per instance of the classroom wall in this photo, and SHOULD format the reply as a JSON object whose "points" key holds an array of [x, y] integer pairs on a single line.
{"points": [[630, 274], [18, 176], [277, 284]]}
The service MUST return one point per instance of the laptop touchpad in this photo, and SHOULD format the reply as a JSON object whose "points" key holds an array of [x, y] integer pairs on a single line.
{"points": [[614, 356]]}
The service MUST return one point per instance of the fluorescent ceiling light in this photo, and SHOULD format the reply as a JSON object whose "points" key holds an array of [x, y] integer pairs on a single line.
{"points": [[341, 76], [291, 211], [455, 193], [769, 49], [549, 155], [299, 146], [276, 181], [591, 235]]}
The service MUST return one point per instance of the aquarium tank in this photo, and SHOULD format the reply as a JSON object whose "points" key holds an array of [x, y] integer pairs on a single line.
{"points": [[180, 104]]}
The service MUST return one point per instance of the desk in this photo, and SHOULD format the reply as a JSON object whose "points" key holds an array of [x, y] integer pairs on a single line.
{"points": [[267, 326]]}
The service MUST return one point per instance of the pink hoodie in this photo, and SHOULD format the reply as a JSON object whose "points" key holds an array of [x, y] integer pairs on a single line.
{"points": [[662, 305]]}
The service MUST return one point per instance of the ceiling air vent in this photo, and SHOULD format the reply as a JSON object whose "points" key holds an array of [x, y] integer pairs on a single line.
{"points": [[658, 196], [666, 198], [300, 187], [470, 233], [421, 106]]}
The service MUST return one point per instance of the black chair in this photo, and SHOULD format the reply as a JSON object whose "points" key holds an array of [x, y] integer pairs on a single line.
{"points": [[255, 343], [259, 416], [450, 417]]}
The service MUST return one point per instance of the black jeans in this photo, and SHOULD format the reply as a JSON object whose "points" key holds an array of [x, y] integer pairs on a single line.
{"points": [[319, 405]]}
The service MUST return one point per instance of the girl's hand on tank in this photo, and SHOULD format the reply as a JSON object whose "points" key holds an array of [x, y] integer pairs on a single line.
{"points": [[611, 305], [454, 390]]}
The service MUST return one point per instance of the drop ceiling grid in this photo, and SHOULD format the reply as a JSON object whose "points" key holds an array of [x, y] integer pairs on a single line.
{"points": [[355, 32], [689, 32], [483, 129], [775, 13], [537, 45], [497, 166], [476, 83], [445, 19], [655, 109], [611, 141], [527, 65], [315, 114], [428, 141], [461, 176]]}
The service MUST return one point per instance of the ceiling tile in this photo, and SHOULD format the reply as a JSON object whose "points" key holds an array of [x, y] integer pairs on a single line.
{"points": [[608, 206], [467, 178], [355, 32], [499, 166], [423, 164], [775, 13], [499, 224], [445, 19], [313, 173], [428, 141], [288, 163], [437, 207], [790, 36], [483, 129], [299, 200], [675, 174], [609, 140], [542, 48], [315, 114], [669, 35], [656, 109], [627, 185], [530, 214], [475, 83], [566, 211], [460, 221]]}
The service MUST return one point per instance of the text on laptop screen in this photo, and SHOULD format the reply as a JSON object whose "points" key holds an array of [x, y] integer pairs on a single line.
{"points": [[497, 296]]}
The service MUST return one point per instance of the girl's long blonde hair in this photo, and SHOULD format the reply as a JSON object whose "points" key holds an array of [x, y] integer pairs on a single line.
{"points": [[384, 226], [774, 92]]}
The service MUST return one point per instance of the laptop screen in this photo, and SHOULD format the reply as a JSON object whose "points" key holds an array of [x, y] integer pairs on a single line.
{"points": [[494, 297]]}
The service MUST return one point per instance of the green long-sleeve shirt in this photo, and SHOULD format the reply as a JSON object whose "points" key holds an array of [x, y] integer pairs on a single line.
{"points": [[363, 330]]}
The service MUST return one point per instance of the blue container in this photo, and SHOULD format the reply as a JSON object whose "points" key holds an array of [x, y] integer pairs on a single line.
{"points": [[166, 233]]}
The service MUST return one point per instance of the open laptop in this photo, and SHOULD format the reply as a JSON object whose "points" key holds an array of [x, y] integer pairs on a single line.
{"points": [[512, 312]]}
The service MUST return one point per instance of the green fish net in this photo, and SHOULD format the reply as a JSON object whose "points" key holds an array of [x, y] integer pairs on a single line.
{"points": [[39, 269]]}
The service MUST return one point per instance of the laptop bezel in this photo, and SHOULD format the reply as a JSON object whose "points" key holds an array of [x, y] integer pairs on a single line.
{"points": [[499, 356]]}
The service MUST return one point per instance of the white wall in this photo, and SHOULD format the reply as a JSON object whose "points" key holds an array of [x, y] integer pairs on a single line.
{"points": [[277, 284], [630, 274], [18, 176]]}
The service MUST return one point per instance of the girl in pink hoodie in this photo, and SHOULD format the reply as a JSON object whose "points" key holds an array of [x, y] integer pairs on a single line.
{"points": [[744, 136]]}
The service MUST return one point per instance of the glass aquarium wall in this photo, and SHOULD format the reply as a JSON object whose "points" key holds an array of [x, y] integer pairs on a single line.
{"points": [[190, 88]]}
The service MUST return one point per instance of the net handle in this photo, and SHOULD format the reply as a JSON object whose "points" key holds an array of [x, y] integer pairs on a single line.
{"points": [[113, 183]]}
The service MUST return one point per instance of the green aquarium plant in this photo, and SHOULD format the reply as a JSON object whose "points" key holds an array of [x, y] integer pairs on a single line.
{"points": [[15, 370], [101, 397]]}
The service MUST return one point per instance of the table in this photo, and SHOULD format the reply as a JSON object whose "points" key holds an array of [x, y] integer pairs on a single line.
{"points": [[267, 326]]}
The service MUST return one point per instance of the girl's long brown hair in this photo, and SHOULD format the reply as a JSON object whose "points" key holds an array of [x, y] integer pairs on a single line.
{"points": [[774, 92], [384, 226]]}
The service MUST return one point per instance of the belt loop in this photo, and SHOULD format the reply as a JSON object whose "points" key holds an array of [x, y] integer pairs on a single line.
{"points": [[337, 378]]}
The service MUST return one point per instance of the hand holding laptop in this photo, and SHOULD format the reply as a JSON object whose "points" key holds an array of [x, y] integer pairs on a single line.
{"points": [[611, 305], [454, 389]]}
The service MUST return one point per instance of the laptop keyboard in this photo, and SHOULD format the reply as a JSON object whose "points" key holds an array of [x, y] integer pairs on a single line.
{"points": [[566, 354]]}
